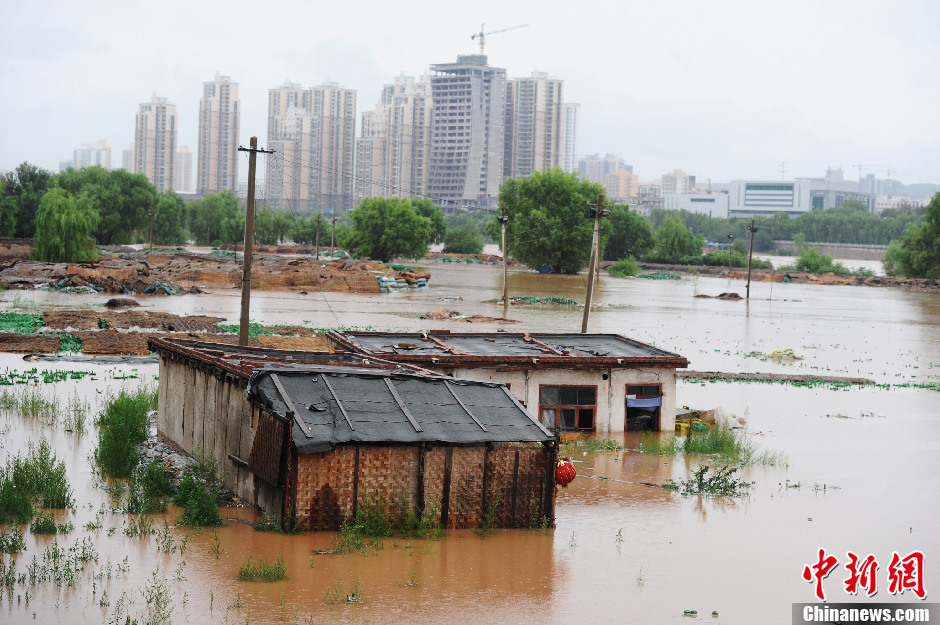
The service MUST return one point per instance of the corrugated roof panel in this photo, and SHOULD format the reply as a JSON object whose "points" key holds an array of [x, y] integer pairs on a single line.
{"points": [[378, 417]]}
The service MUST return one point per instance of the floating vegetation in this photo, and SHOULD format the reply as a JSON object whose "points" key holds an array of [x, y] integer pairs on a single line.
{"points": [[47, 376], [659, 276], [528, 299], [262, 571], [720, 483], [784, 354]]}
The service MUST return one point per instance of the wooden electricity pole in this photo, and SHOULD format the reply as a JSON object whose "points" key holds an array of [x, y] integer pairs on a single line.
{"points": [[502, 223], [249, 239], [596, 213], [752, 229]]}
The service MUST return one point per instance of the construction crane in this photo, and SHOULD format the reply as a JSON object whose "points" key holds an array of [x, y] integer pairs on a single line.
{"points": [[482, 35]]}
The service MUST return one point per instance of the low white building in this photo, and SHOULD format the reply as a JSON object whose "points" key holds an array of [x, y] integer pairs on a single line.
{"points": [[595, 384], [764, 198], [711, 204]]}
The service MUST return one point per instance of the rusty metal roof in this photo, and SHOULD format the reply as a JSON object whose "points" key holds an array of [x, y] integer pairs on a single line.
{"points": [[446, 348], [331, 406], [242, 361]]}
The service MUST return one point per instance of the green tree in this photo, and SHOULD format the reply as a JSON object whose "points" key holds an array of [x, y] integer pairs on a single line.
{"points": [[675, 243], [631, 234], [917, 254], [549, 219], [426, 208], [384, 228], [463, 239], [123, 200], [7, 213], [26, 185], [272, 227], [169, 219], [64, 228], [216, 219]]}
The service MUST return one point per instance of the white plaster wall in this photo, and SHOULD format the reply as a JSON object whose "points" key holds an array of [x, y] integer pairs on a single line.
{"points": [[611, 393]]}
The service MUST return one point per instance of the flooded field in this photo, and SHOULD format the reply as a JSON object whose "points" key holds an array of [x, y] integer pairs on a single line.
{"points": [[857, 476]]}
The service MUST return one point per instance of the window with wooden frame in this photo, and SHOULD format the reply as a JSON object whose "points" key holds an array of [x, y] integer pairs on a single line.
{"points": [[568, 408]]}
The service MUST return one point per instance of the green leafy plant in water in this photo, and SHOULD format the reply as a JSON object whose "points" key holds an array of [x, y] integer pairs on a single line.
{"points": [[624, 268], [12, 541], [122, 426], [200, 503], [262, 571], [44, 523], [486, 524], [591, 443], [720, 483]]}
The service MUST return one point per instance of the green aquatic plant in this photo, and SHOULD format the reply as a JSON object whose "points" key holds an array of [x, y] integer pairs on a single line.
{"points": [[262, 571], [721, 482]]}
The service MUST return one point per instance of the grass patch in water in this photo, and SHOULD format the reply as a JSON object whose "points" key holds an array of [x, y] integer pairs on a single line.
{"points": [[12, 541], [37, 479], [591, 443], [376, 519], [719, 443], [261, 571], [123, 425]]}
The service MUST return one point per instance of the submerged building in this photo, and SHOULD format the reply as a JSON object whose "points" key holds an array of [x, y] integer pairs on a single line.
{"points": [[319, 434]]}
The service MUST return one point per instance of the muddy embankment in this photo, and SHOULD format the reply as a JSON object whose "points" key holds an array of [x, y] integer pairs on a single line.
{"points": [[175, 272], [801, 277]]}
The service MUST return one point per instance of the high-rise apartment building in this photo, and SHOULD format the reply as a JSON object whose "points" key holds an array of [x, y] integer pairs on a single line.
{"points": [[155, 143], [467, 138], [677, 182], [98, 154], [127, 158], [393, 151], [219, 118], [568, 142], [184, 170], [621, 185], [532, 124], [596, 168], [313, 134]]}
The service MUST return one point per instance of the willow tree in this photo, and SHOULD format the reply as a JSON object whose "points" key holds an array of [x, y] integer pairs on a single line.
{"points": [[64, 228]]}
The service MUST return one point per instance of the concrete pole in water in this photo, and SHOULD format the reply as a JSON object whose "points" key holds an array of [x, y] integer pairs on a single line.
{"points": [[249, 239], [730, 249], [596, 213], [752, 229], [502, 222]]}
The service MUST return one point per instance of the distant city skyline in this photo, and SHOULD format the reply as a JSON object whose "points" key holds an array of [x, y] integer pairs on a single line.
{"points": [[722, 90]]}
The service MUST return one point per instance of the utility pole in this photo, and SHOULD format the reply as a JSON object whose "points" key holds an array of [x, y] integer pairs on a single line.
{"points": [[318, 235], [249, 239], [502, 219], [752, 229], [730, 249], [333, 237], [151, 212], [596, 213]]}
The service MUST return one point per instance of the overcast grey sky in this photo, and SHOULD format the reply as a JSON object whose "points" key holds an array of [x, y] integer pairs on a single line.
{"points": [[721, 89]]}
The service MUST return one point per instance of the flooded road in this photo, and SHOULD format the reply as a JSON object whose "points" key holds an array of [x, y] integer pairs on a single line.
{"points": [[622, 552]]}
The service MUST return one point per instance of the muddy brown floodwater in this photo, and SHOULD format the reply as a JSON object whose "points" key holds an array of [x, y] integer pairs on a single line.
{"points": [[859, 474]]}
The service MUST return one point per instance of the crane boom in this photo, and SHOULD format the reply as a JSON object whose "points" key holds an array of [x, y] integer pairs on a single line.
{"points": [[482, 35]]}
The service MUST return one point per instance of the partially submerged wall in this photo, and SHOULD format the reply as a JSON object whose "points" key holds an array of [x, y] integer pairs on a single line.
{"points": [[203, 407], [459, 484]]}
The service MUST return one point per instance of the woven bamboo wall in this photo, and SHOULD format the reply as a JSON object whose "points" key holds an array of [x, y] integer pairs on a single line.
{"points": [[460, 490]]}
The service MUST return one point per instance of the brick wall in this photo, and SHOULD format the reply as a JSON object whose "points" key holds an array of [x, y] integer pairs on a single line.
{"points": [[458, 483]]}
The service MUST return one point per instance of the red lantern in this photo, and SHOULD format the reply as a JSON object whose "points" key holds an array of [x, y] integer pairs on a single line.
{"points": [[565, 472]]}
